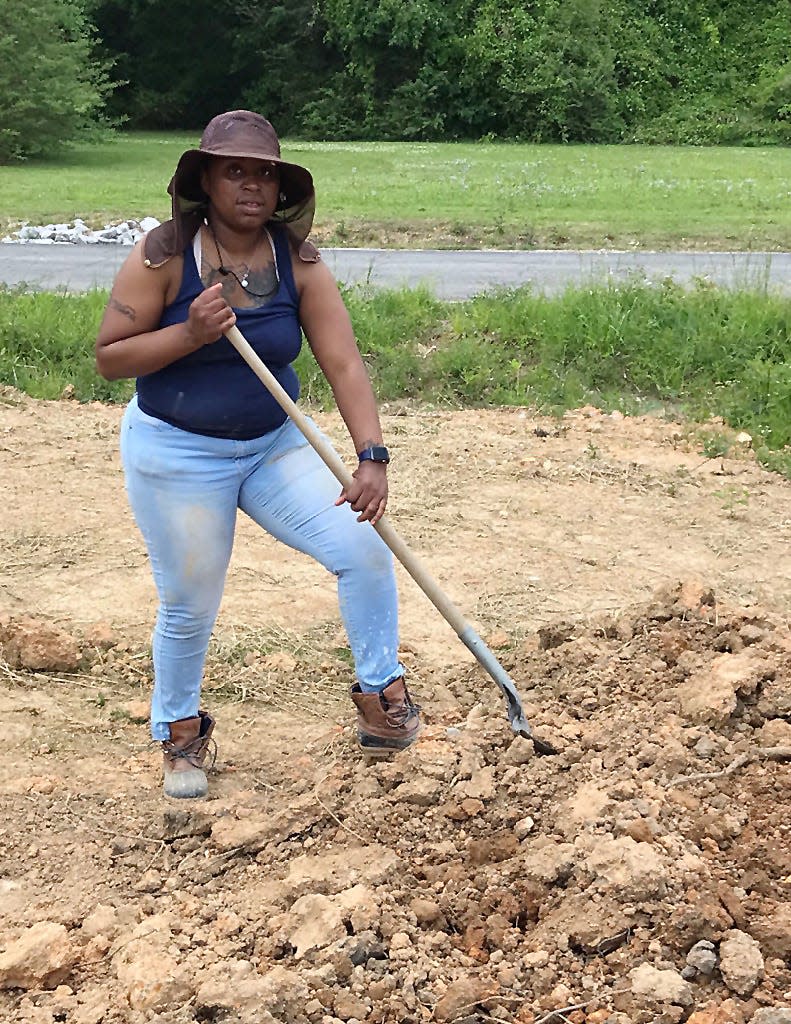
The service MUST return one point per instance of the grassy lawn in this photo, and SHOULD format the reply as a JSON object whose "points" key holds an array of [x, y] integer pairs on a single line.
{"points": [[454, 195]]}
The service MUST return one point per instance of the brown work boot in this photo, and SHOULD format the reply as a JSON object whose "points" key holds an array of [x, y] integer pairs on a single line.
{"points": [[184, 756], [387, 721]]}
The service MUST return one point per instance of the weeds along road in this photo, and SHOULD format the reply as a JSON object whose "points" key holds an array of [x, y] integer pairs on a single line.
{"points": [[449, 274]]}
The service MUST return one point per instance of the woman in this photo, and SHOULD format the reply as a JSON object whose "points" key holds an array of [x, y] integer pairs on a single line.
{"points": [[202, 437]]}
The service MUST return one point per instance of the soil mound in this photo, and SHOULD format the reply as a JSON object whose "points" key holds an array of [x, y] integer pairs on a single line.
{"points": [[640, 875]]}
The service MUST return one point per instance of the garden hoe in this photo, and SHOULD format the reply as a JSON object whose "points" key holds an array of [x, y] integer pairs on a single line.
{"points": [[442, 603]]}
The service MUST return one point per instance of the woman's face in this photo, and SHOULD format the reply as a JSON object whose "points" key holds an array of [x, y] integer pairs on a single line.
{"points": [[242, 191]]}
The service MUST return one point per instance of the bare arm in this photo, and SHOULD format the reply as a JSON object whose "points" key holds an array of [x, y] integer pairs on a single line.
{"points": [[327, 327], [130, 343]]}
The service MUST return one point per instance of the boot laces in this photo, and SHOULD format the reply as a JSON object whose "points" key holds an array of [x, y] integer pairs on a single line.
{"points": [[193, 751], [398, 716]]}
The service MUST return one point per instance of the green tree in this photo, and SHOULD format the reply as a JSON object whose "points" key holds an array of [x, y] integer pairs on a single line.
{"points": [[553, 68], [52, 86], [284, 62], [175, 63], [403, 70]]}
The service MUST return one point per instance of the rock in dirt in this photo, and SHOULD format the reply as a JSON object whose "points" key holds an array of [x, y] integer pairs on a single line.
{"points": [[38, 646], [42, 957], [152, 980], [348, 1006], [725, 1013], [772, 1015], [775, 699], [648, 982], [773, 931], [150, 977], [316, 921], [702, 958], [101, 635], [775, 733], [93, 1008], [103, 920], [635, 871], [709, 696], [333, 871], [461, 998], [741, 962], [594, 927], [235, 987], [427, 913], [550, 864], [422, 792]]}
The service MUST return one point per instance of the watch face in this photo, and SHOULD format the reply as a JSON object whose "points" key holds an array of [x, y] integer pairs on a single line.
{"points": [[376, 453]]}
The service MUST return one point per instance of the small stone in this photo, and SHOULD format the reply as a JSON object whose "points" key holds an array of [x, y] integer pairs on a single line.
{"points": [[751, 634], [427, 912], [102, 920], [773, 931], [422, 792], [38, 646], [537, 959], [772, 1015], [348, 1006], [702, 957], [741, 962], [313, 922], [709, 696], [150, 881], [775, 733], [461, 998], [660, 986], [42, 957], [496, 848], [520, 751], [640, 831], [101, 635]]}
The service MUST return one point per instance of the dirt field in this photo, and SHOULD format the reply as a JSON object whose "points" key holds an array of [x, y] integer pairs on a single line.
{"points": [[643, 874]]}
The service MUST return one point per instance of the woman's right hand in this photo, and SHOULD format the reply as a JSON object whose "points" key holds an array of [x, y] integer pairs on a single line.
{"points": [[131, 342], [209, 317]]}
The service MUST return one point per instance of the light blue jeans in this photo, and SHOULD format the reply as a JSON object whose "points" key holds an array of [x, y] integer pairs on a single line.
{"points": [[184, 490]]}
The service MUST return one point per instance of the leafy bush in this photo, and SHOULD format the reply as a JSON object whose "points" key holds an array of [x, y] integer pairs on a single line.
{"points": [[52, 87]]}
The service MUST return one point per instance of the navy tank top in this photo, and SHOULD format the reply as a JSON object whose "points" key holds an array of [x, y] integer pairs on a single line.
{"points": [[213, 391]]}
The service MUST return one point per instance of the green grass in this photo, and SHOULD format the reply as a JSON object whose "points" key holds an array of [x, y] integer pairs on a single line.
{"points": [[454, 194], [702, 352], [47, 342]]}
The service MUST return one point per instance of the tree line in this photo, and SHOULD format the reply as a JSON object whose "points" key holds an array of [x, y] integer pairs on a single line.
{"points": [[696, 72]]}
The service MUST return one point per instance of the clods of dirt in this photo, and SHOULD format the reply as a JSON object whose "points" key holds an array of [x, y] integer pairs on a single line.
{"points": [[641, 875]]}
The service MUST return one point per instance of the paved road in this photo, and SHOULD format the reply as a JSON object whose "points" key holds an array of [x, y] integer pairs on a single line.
{"points": [[450, 275]]}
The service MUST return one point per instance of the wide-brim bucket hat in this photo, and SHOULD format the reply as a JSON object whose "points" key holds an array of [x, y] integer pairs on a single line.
{"points": [[238, 133]]}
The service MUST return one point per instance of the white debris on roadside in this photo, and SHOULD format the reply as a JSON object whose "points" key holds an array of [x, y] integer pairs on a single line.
{"points": [[128, 232]]}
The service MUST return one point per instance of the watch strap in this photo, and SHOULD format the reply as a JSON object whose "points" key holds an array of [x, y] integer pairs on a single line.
{"points": [[374, 453]]}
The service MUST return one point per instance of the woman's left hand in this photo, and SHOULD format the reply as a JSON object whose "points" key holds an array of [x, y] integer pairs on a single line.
{"points": [[368, 493]]}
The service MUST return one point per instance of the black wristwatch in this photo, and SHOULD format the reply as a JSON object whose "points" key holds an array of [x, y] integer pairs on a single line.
{"points": [[376, 453]]}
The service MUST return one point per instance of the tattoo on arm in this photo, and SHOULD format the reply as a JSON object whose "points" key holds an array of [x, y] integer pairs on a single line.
{"points": [[119, 307]]}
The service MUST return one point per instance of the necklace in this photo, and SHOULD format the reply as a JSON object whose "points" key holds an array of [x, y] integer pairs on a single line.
{"points": [[244, 280]]}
